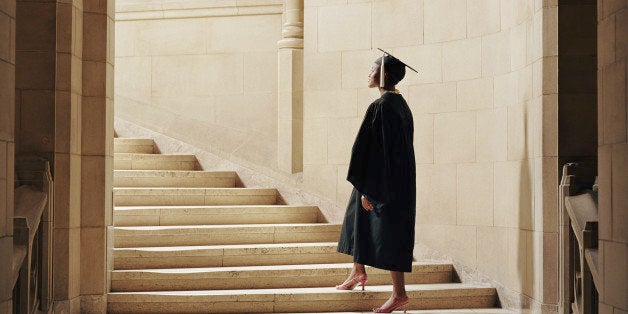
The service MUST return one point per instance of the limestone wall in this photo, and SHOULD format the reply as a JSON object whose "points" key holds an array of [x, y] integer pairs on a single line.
{"points": [[613, 154], [204, 72], [485, 108], [7, 144]]}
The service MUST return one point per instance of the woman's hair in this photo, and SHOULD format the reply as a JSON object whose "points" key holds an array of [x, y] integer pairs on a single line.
{"points": [[394, 70]]}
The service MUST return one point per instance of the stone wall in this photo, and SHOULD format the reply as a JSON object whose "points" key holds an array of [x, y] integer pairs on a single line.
{"points": [[7, 144], [485, 107], [613, 154], [204, 72]]}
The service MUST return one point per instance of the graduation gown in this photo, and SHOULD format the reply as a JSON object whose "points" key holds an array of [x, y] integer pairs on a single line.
{"points": [[383, 169]]}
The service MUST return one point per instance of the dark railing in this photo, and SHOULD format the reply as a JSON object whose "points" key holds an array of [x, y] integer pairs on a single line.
{"points": [[578, 241], [32, 236]]}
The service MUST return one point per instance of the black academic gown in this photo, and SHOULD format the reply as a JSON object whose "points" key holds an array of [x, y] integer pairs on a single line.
{"points": [[383, 169]]}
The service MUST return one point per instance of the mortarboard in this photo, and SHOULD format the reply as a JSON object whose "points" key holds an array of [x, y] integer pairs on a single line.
{"points": [[389, 60]]}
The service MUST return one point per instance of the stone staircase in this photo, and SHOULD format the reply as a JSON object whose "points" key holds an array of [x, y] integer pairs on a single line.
{"points": [[190, 241]]}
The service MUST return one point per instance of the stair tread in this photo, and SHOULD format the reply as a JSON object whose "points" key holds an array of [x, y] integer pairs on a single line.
{"points": [[445, 311], [475, 289], [196, 270], [175, 173], [239, 226], [227, 246]]}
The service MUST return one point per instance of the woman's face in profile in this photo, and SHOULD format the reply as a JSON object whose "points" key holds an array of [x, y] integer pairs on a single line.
{"points": [[374, 76]]}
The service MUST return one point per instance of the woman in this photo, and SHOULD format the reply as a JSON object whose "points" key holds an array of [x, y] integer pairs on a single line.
{"points": [[378, 228]]}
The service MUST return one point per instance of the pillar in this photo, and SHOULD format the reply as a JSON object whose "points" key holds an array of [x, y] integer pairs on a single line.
{"points": [[290, 89]]}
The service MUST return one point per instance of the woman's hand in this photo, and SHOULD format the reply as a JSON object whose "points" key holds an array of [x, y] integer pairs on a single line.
{"points": [[366, 204]]}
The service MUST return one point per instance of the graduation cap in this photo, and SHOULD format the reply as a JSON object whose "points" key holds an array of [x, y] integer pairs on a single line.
{"points": [[396, 68]]}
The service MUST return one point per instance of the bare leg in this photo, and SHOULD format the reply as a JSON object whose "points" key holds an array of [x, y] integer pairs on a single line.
{"points": [[399, 289], [357, 271]]}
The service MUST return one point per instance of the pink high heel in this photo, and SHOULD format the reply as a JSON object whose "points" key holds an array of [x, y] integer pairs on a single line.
{"points": [[353, 282], [395, 306]]}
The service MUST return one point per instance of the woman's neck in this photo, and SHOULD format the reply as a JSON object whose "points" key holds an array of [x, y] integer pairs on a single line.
{"points": [[383, 90]]}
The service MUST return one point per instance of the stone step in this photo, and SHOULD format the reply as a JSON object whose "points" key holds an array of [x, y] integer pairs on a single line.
{"points": [[224, 234], [134, 145], [428, 296], [127, 161], [441, 311], [193, 196], [213, 215], [174, 178], [228, 255], [264, 277]]}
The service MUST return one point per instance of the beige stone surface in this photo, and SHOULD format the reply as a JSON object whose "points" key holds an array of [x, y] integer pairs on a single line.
{"points": [[462, 59], [483, 17], [432, 98], [454, 137], [407, 24], [445, 20], [475, 194], [436, 194], [344, 27], [491, 135], [475, 94], [513, 194]]}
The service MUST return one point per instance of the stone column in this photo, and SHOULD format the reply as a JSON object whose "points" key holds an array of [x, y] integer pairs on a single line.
{"points": [[290, 89]]}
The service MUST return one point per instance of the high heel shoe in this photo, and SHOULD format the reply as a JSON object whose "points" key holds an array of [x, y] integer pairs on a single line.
{"points": [[395, 306], [350, 284]]}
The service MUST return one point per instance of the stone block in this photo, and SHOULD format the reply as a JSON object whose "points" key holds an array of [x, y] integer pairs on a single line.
{"points": [[65, 27], [4, 227], [94, 114], [621, 34], [518, 47], [550, 75], [93, 246], [36, 70], [323, 71], [605, 205], [436, 194], [76, 79], [93, 191], [397, 23], [63, 121], [7, 101], [611, 6], [454, 137], [321, 179], [462, 59], [344, 187], [460, 242], [492, 135], [606, 41], [259, 70], [37, 121], [310, 29], [255, 112], [507, 14], [432, 98], [37, 26], [94, 78], [614, 102], [6, 249], [475, 94], [505, 89], [127, 38], [475, 194], [344, 27], [12, 31], [545, 196], [356, 68], [493, 258], [169, 37], [65, 260], [340, 138], [95, 37], [315, 141], [547, 125], [445, 20], [133, 78], [615, 275], [424, 138], [195, 75], [8, 7], [518, 139], [63, 76], [550, 31], [513, 194], [483, 17], [327, 104], [243, 34], [427, 59], [67, 214], [496, 54], [5, 38], [619, 196]]}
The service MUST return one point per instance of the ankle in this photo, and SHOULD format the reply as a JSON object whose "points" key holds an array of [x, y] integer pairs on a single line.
{"points": [[400, 296]]}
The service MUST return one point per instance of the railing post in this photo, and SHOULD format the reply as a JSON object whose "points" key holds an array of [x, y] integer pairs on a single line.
{"points": [[567, 187]]}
